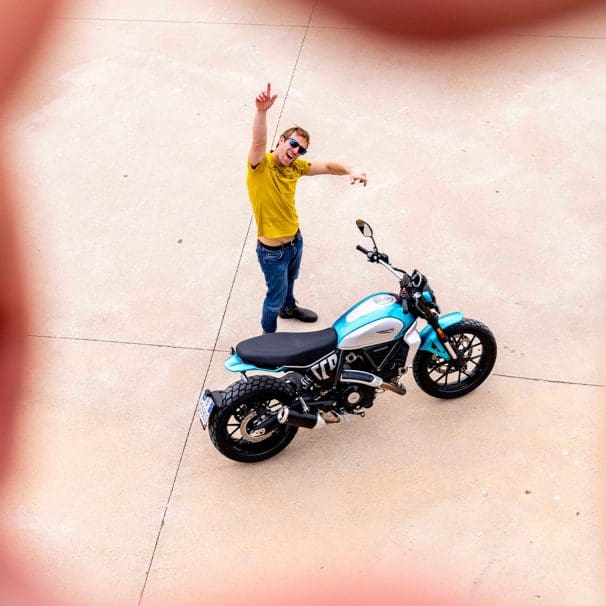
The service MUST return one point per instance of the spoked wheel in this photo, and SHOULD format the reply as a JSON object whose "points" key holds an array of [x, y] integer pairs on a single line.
{"points": [[443, 378], [234, 427]]}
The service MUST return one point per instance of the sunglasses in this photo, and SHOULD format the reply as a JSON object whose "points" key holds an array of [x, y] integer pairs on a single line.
{"points": [[294, 144]]}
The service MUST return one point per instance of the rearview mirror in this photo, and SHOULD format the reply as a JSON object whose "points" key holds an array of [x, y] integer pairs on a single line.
{"points": [[364, 228]]}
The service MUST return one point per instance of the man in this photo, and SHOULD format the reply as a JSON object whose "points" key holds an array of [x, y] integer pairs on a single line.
{"points": [[271, 181]]}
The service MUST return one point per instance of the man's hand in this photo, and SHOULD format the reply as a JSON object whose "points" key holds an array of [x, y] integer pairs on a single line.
{"points": [[265, 99]]}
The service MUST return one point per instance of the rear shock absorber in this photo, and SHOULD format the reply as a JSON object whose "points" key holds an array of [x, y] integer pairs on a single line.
{"points": [[307, 383]]}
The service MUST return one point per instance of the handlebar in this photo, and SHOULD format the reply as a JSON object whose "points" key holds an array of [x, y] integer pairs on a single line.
{"points": [[412, 286], [374, 256]]}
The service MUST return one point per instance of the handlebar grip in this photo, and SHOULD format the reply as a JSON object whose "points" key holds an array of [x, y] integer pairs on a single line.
{"points": [[362, 249]]}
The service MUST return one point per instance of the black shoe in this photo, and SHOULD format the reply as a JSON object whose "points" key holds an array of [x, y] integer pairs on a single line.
{"points": [[298, 313]]}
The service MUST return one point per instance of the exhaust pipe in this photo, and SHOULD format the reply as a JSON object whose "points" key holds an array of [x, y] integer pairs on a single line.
{"points": [[309, 420], [370, 380]]}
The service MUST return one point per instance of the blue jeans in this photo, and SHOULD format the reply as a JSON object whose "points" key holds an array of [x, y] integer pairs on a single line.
{"points": [[281, 268]]}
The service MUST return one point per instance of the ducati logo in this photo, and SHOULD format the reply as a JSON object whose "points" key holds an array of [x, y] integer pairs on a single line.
{"points": [[322, 369], [384, 300]]}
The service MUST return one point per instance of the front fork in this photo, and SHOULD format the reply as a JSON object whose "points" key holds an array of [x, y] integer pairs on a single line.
{"points": [[435, 340], [452, 352]]}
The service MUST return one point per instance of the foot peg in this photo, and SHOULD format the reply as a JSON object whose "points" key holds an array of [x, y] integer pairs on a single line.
{"points": [[330, 416]]}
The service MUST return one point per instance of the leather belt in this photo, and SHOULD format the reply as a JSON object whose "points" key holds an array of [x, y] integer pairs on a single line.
{"points": [[296, 237]]}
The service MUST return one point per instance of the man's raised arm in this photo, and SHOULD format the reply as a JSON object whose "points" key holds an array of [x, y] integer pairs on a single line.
{"points": [[263, 102]]}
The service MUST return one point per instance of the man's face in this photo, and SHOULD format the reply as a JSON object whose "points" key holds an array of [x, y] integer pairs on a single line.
{"points": [[287, 150]]}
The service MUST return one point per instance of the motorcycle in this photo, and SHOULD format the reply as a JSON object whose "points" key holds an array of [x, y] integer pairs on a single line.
{"points": [[336, 372]]}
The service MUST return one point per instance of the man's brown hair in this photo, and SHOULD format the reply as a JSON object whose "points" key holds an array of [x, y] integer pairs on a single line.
{"points": [[296, 130]]}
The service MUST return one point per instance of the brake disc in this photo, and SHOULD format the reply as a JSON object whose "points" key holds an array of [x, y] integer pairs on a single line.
{"points": [[248, 430]]}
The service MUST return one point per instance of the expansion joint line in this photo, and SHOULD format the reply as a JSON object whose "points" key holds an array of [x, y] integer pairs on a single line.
{"points": [[117, 342], [294, 70], [214, 349], [542, 380]]}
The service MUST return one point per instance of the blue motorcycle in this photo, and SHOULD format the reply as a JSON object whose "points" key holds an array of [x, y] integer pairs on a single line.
{"points": [[332, 373]]}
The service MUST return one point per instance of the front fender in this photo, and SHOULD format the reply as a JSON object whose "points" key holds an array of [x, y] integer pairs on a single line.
{"points": [[429, 338], [235, 364]]}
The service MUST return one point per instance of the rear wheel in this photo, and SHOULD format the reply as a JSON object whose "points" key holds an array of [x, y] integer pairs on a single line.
{"points": [[442, 378], [233, 427]]}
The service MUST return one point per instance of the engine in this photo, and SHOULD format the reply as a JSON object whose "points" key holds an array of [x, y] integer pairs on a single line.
{"points": [[321, 385], [386, 360], [355, 398]]}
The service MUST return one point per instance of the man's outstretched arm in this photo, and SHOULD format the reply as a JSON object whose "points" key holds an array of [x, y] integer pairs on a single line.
{"points": [[336, 168]]}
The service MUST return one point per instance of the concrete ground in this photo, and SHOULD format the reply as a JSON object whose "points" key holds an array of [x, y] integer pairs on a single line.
{"points": [[486, 171]]}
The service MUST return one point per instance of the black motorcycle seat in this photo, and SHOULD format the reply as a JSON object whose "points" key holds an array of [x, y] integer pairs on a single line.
{"points": [[287, 348]]}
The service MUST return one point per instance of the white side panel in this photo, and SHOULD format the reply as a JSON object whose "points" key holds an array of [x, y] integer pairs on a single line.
{"points": [[379, 331], [413, 340]]}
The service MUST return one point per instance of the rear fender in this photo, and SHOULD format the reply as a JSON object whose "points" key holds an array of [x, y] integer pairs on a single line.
{"points": [[235, 364], [216, 395], [429, 339]]}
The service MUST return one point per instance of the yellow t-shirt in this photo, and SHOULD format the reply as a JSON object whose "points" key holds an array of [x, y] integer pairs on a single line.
{"points": [[271, 189]]}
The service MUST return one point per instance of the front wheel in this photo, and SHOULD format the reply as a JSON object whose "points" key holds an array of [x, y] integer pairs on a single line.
{"points": [[441, 378], [234, 427]]}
